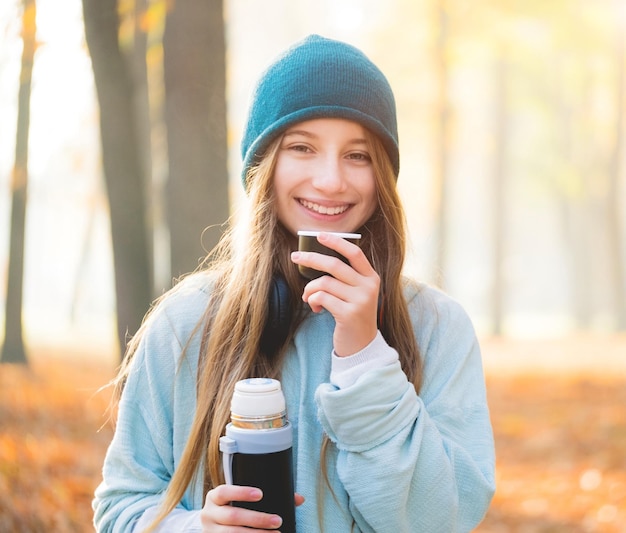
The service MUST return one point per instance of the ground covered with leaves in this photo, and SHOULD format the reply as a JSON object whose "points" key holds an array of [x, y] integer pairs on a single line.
{"points": [[558, 410]]}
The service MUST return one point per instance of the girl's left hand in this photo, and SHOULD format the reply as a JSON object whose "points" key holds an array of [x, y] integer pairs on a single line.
{"points": [[350, 293]]}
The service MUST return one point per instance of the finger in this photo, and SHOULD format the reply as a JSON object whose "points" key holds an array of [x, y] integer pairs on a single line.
{"points": [[342, 298], [344, 310], [217, 511], [327, 264], [228, 515], [224, 494], [299, 499], [357, 262], [360, 291], [352, 252]]}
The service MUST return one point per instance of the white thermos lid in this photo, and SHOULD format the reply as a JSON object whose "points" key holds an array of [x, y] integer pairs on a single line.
{"points": [[254, 397]]}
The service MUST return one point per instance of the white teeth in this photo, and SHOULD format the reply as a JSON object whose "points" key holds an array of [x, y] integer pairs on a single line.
{"points": [[322, 209]]}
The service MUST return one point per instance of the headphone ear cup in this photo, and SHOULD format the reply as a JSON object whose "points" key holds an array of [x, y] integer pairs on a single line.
{"points": [[278, 319]]}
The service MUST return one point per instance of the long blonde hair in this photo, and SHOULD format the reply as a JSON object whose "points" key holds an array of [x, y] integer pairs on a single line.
{"points": [[245, 264]]}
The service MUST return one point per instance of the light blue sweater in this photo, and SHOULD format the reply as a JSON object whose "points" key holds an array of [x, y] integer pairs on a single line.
{"points": [[400, 462]]}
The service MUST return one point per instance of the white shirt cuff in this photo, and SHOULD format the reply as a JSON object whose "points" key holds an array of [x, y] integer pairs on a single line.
{"points": [[345, 371], [179, 520]]}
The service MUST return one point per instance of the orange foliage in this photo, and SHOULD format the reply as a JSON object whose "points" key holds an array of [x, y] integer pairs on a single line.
{"points": [[51, 442], [560, 440], [561, 454]]}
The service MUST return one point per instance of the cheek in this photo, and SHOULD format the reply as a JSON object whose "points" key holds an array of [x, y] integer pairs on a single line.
{"points": [[283, 185], [284, 175], [369, 196], [279, 179]]}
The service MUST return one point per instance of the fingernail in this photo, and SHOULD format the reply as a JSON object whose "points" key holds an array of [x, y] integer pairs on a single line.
{"points": [[256, 493], [276, 521], [295, 256]]}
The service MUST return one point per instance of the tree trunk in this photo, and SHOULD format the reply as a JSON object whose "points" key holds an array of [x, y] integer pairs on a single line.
{"points": [[13, 350], [121, 164], [615, 203], [579, 221], [136, 57], [499, 191], [195, 114], [441, 162]]}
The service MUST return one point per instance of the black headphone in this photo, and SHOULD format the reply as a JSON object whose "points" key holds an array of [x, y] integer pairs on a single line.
{"points": [[278, 319]]}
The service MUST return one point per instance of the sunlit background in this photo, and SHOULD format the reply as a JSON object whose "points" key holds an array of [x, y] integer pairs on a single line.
{"points": [[559, 62]]}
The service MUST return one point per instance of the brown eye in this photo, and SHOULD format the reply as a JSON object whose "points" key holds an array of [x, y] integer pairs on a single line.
{"points": [[359, 156], [300, 148]]}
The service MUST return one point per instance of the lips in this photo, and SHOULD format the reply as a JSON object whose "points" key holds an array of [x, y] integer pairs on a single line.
{"points": [[324, 209]]}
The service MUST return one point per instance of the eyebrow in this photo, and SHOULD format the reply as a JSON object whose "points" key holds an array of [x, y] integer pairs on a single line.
{"points": [[299, 132], [310, 135]]}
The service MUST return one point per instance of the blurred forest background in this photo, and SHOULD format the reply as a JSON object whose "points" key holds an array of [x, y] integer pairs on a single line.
{"points": [[511, 118], [120, 123]]}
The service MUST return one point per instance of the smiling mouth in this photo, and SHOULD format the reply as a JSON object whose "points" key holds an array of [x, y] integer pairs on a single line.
{"points": [[325, 209]]}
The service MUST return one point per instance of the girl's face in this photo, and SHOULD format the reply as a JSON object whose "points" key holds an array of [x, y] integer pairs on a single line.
{"points": [[324, 178]]}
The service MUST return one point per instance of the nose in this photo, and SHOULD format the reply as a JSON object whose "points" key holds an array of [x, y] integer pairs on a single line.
{"points": [[328, 176]]}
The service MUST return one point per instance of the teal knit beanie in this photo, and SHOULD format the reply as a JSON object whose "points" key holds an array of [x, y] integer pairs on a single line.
{"points": [[319, 78]]}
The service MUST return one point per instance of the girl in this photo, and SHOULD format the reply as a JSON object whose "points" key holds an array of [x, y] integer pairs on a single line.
{"points": [[382, 376]]}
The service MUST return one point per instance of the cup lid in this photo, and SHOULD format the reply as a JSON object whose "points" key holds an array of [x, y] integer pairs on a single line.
{"points": [[313, 233]]}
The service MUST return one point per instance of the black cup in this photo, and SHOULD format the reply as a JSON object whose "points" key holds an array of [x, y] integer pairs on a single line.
{"points": [[307, 242]]}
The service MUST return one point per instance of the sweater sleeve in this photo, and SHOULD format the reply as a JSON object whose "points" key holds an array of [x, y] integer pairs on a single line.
{"points": [[149, 434], [414, 462]]}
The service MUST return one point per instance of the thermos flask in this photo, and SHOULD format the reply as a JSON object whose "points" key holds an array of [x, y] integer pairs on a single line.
{"points": [[257, 448]]}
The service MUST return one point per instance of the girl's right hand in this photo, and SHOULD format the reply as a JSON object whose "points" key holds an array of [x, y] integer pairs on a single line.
{"points": [[218, 515]]}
